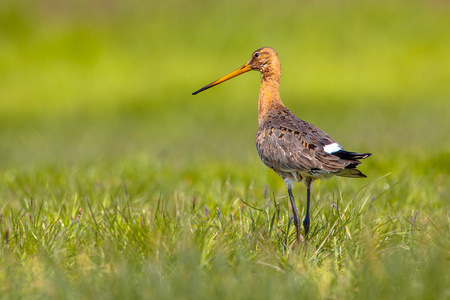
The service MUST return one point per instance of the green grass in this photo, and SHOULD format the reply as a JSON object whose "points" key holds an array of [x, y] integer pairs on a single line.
{"points": [[115, 182]]}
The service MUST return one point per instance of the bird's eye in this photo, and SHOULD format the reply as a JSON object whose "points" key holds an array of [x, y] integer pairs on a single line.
{"points": [[256, 55]]}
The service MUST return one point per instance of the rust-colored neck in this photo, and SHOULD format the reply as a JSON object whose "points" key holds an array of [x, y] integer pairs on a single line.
{"points": [[269, 96]]}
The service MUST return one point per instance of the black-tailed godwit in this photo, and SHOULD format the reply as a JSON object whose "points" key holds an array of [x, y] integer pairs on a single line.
{"points": [[296, 150]]}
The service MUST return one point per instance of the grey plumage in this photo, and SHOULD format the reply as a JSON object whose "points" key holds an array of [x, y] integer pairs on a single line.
{"points": [[295, 148]]}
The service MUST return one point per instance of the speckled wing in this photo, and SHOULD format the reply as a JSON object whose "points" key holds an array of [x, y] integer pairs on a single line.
{"points": [[288, 144]]}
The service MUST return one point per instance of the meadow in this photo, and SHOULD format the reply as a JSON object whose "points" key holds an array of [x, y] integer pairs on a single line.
{"points": [[116, 182]]}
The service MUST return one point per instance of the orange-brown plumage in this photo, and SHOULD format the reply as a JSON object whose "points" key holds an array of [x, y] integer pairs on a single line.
{"points": [[293, 148]]}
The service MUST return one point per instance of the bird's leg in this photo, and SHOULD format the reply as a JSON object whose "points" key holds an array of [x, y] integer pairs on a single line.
{"points": [[294, 210], [307, 221]]}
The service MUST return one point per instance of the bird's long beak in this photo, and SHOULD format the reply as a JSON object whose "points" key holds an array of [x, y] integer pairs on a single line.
{"points": [[245, 68]]}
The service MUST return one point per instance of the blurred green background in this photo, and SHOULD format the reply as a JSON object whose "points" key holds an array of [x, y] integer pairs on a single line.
{"points": [[82, 81], [97, 122]]}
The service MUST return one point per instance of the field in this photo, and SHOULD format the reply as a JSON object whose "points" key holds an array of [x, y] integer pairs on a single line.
{"points": [[116, 182]]}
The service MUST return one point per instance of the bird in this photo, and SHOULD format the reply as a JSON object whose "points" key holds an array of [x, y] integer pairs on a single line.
{"points": [[295, 149]]}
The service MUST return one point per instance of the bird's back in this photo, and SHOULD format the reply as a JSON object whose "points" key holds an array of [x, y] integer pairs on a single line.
{"points": [[293, 147]]}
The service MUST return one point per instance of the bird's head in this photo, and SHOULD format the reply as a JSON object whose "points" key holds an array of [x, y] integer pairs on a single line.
{"points": [[265, 60]]}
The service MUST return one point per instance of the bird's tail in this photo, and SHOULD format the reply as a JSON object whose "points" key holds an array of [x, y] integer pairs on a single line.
{"points": [[351, 155], [353, 161], [351, 173]]}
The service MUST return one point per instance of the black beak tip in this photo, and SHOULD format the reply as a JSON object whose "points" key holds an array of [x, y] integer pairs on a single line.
{"points": [[201, 90]]}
